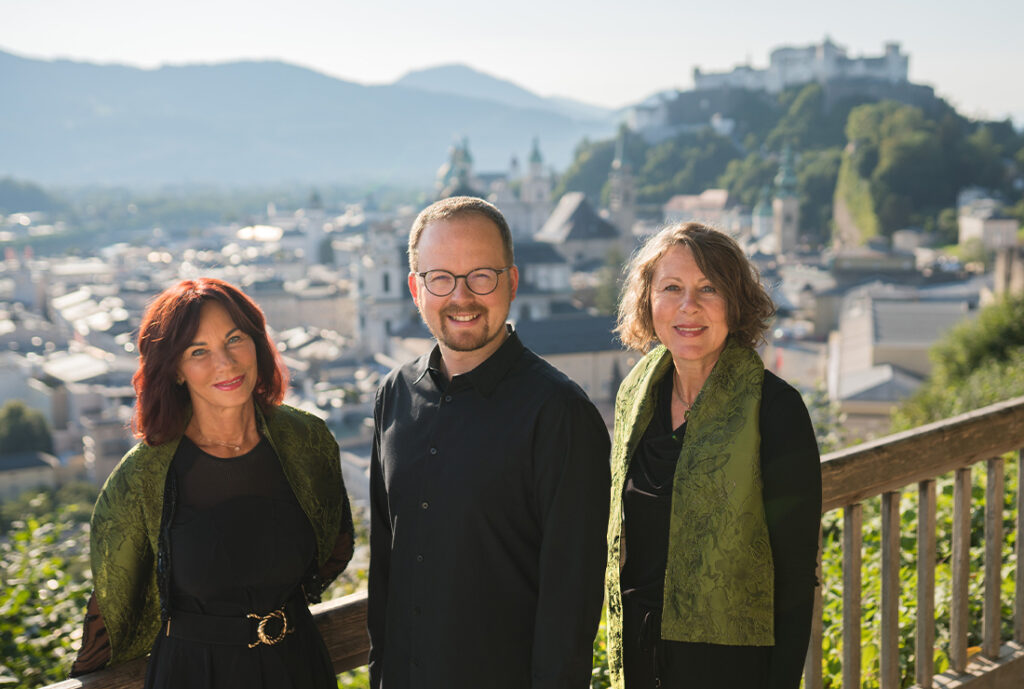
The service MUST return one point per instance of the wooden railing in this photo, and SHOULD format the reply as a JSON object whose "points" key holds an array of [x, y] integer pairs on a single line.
{"points": [[880, 468], [884, 467]]}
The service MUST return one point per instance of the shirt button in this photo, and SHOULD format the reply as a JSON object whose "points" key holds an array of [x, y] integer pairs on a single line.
{"points": [[447, 398], [424, 504], [419, 558], [433, 450]]}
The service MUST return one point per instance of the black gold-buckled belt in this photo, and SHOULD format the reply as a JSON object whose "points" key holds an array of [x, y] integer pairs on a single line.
{"points": [[251, 630]]}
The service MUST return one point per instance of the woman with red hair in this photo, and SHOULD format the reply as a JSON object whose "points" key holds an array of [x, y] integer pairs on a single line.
{"points": [[213, 534]]}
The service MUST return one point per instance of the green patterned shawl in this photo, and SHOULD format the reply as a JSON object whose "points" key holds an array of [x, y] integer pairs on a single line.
{"points": [[719, 581], [126, 520]]}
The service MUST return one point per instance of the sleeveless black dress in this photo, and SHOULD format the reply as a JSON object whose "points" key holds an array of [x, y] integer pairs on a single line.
{"points": [[239, 543]]}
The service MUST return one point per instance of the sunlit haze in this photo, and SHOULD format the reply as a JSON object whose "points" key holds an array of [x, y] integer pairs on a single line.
{"points": [[601, 52]]}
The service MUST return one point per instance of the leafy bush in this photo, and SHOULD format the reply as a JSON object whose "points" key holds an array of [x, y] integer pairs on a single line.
{"points": [[44, 586]]}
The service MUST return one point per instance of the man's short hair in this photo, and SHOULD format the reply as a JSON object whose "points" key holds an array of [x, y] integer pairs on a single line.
{"points": [[454, 207]]}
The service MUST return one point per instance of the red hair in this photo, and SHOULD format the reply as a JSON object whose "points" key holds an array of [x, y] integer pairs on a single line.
{"points": [[168, 327]]}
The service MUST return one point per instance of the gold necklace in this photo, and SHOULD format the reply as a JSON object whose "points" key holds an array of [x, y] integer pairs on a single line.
{"points": [[209, 441], [686, 405]]}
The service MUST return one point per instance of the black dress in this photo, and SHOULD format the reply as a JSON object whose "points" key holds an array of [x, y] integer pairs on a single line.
{"points": [[239, 543]]}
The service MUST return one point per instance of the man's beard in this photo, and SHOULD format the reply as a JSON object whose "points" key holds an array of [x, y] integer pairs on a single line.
{"points": [[464, 341]]}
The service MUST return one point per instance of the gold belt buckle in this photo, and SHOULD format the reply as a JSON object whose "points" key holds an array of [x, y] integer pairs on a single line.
{"points": [[262, 637]]}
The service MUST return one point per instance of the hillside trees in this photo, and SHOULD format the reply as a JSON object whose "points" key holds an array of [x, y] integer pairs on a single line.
{"points": [[978, 363], [21, 196], [911, 165], [23, 429], [891, 165]]}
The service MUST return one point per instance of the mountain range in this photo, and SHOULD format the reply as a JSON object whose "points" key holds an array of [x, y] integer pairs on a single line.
{"points": [[240, 123]]}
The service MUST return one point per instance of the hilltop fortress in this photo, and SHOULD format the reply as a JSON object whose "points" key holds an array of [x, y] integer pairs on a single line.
{"points": [[822, 63], [718, 98]]}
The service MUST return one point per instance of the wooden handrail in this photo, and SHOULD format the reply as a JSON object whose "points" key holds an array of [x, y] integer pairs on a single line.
{"points": [[849, 476], [896, 461]]}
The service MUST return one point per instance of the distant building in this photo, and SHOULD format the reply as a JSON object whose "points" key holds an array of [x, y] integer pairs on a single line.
{"points": [[22, 471], [1009, 272], [579, 233], [856, 265], [786, 206], [524, 199], [382, 293], [983, 220], [710, 207], [312, 301], [622, 189], [879, 355], [585, 349], [720, 98], [544, 287], [793, 66]]}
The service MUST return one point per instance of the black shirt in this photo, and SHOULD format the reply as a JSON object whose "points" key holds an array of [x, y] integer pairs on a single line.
{"points": [[489, 502]]}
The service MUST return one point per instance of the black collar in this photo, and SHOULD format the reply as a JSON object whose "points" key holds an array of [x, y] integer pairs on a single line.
{"points": [[486, 376]]}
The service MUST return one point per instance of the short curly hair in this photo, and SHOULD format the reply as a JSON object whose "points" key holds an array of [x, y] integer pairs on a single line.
{"points": [[748, 306]]}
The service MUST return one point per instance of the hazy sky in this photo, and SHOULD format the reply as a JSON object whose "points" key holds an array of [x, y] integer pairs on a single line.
{"points": [[607, 53]]}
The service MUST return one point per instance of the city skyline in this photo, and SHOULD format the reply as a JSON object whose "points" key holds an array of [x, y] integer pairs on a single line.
{"points": [[592, 52]]}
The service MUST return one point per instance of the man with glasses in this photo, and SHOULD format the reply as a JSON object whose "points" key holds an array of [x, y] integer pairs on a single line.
{"points": [[489, 485]]}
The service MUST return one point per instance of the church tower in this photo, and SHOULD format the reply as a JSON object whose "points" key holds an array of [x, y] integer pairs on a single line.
{"points": [[535, 191], [763, 220], [622, 189], [786, 205]]}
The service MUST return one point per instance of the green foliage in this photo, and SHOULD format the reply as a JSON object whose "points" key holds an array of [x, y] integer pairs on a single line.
{"points": [[686, 164], [73, 500], [592, 162], [44, 587], [816, 175], [609, 283], [914, 164], [853, 190], [744, 178], [997, 332], [23, 429], [979, 362], [947, 228]]}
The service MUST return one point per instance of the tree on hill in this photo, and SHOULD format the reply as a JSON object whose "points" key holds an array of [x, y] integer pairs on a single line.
{"points": [[686, 164], [979, 362], [902, 167], [23, 429], [24, 197]]}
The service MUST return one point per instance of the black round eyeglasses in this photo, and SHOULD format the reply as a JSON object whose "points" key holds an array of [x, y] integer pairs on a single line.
{"points": [[480, 281]]}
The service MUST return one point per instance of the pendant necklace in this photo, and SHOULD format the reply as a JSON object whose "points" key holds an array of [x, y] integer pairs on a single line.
{"points": [[686, 405]]}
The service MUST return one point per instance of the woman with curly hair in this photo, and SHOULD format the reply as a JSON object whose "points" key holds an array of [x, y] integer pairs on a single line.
{"points": [[716, 484]]}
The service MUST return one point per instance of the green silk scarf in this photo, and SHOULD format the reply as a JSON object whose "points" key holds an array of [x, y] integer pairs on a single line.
{"points": [[719, 581], [126, 520]]}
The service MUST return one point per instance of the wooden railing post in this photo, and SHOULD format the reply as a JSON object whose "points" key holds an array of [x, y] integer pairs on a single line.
{"points": [[890, 661], [1018, 599], [991, 623], [961, 569], [924, 652], [853, 535]]}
